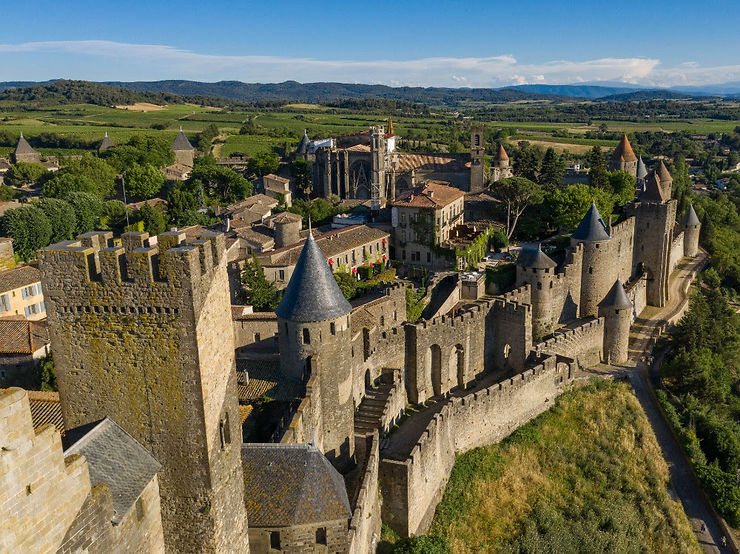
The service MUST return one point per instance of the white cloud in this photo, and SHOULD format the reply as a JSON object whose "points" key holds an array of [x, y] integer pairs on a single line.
{"points": [[107, 60]]}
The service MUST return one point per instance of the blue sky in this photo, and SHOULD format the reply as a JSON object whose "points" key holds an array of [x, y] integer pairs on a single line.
{"points": [[432, 43]]}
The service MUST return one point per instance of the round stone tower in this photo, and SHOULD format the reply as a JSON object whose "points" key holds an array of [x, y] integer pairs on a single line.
{"points": [[315, 342], [616, 309], [287, 229], [535, 268], [597, 260], [691, 228]]}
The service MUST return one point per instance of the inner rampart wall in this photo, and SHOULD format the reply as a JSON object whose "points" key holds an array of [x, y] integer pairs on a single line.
{"points": [[584, 343], [364, 527], [677, 251], [637, 293]]}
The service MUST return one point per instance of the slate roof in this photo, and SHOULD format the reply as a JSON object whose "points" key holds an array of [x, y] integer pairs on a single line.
{"points": [[616, 297], [286, 217], [535, 257], [23, 147], [623, 152], [18, 277], [501, 155], [690, 217], [291, 484], [428, 196], [641, 169], [106, 143], [182, 142], [20, 336], [303, 144], [592, 226], [312, 293], [115, 458], [653, 191]]}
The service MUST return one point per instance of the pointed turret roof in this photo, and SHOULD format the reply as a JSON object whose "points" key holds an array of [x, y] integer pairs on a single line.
{"points": [[535, 258], [663, 172], [623, 152], [653, 191], [303, 144], [105, 144], [616, 297], [312, 293], [501, 154], [641, 169], [181, 142], [592, 226], [23, 147], [690, 218]]}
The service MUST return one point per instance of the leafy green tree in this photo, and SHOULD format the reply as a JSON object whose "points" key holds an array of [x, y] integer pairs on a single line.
{"points": [[142, 150], [263, 163], [25, 173], [622, 186], [347, 284], [597, 174], [154, 220], [218, 182], [570, 204], [552, 170], [95, 170], [47, 374], [206, 136], [29, 228], [6, 193], [517, 193], [182, 205], [88, 208], [62, 217], [61, 184], [301, 171], [258, 291], [525, 162], [143, 181]]}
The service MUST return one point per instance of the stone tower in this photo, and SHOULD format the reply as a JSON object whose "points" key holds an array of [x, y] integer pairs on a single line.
{"points": [[655, 216], [666, 181], [691, 228], [641, 174], [184, 151], [535, 268], [24, 152], [623, 158], [616, 309], [477, 156], [595, 277], [315, 342], [501, 167], [106, 143], [287, 228], [143, 334], [377, 166]]}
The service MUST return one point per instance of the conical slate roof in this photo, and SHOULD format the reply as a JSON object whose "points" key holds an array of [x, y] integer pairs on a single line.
{"points": [[23, 147], [106, 144], [535, 258], [312, 293], [181, 142], [653, 191], [689, 218], [641, 169], [303, 145], [663, 172], [616, 297], [592, 227], [623, 152], [501, 155]]}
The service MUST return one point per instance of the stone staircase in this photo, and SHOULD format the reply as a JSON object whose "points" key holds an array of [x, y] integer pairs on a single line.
{"points": [[370, 413]]}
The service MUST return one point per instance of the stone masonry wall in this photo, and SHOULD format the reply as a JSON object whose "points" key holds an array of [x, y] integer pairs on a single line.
{"points": [[636, 292], [584, 343], [364, 527], [677, 251], [257, 330]]}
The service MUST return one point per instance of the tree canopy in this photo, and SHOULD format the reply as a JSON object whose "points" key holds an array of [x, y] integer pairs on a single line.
{"points": [[25, 173], [258, 291], [143, 181], [571, 203], [218, 182], [517, 193], [29, 228], [61, 216]]}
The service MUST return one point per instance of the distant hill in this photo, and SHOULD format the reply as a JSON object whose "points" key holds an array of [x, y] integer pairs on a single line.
{"points": [[329, 92], [577, 91], [659, 94]]}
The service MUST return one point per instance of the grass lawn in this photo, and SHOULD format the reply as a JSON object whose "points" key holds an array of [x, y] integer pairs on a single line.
{"points": [[586, 476]]}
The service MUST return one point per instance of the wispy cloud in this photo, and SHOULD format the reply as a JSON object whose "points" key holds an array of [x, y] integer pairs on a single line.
{"points": [[107, 60]]}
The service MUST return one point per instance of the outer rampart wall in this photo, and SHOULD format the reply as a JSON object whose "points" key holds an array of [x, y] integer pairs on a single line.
{"points": [[622, 247], [677, 251], [364, 527], [636, 292], [584, 343], [412, 488]]}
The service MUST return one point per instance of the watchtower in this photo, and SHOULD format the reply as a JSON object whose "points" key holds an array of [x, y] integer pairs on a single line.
{"points": [[477, 155], [315, 340], [616, 309], [143, 334], [597, 259], [623, 158], [537, 269], [691, 228], [377, 167]]}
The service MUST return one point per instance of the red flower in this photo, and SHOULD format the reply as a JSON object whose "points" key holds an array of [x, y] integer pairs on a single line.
{"points": [[383, 241], [383, 257], [331, 261], [354, 270]]}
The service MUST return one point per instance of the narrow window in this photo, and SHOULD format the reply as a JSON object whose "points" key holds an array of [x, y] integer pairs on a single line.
{"points": [[321, 535], [257, 337], [306, 336], [590, 270], [275, 540], [382, 321], [332, 328]]}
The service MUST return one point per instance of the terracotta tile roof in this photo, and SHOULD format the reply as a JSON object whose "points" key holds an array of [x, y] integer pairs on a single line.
{"points": [[20, 336], [277, 178], [501, 155], [286, 217], [358, 148], [45, 408], [663, 172], [291, 484], [623, 152], [19, 277], [429, 196], [445, 163]]}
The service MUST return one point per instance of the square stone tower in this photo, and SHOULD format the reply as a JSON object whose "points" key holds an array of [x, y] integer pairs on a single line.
{"points": [[477, 155], [143, 334]]}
